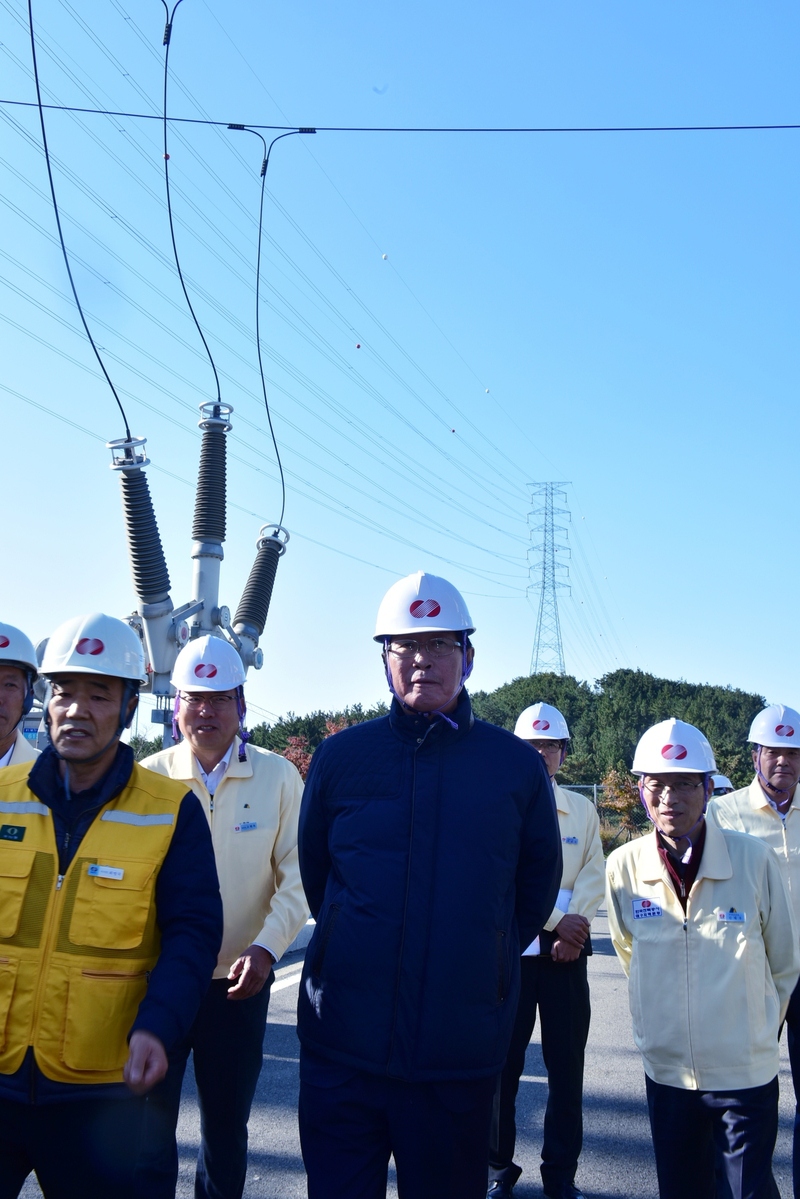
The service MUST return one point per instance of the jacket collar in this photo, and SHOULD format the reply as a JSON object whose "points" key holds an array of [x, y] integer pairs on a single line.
{"points": [[183, 764], [715, 863], [562, 799], [47, 785], [410, 727], [758, 799]]}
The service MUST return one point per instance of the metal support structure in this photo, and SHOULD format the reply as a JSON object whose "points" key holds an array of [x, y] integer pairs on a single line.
{"points": [[163, 628], [545, 569]]}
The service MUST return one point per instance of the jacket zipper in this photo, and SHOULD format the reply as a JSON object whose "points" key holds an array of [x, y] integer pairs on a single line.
{"points": [[417, 747], [688, 985]]}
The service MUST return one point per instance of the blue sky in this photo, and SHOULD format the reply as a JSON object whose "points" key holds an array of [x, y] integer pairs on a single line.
{"points": [[629, 300]]}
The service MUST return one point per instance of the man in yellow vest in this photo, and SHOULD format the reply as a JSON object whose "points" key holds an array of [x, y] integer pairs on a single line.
{"points": [[110, 923], [251, 799], [18, 670]]}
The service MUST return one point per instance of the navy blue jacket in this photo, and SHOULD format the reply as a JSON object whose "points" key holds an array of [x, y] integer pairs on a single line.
{"points": [[189, 918], [430, 856]]}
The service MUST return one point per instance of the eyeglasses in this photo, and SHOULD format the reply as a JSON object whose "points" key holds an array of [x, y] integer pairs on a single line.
{"points": [[678, 787], [197, 699], [437, 647]]}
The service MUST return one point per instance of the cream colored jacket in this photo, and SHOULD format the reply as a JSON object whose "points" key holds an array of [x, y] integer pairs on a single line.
{"points": [[749, 811], [707, 991], [253, 819], [23, 751], [584, 870]]}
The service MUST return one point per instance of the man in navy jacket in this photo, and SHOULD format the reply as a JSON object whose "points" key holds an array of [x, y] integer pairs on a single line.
{"points": [[430, 852]]}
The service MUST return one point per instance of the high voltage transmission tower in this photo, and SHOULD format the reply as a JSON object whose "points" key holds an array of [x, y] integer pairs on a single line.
{"points": [[548, 652]]}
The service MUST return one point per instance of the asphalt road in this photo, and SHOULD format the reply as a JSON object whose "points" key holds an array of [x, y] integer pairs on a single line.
{"points": [[617, 1161]]}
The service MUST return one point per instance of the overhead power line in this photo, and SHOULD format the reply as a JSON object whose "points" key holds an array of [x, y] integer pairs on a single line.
{"points": [[147, 116]]}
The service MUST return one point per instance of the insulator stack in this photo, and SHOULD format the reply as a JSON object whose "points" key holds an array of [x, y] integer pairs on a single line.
{"points": [[148, 565], [209, 504], [251, 614]]}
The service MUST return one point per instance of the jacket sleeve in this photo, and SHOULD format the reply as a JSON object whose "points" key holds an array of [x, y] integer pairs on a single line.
{"points": [[780, 934], [189, 913], [314, 854], [620, 937], [539, 867], [589, 886], [287, 910]]}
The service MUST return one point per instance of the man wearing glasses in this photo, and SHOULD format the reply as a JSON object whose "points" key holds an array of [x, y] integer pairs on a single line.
{"points": [[251, 798], [702, 923], [430, 855], [770, 809]]}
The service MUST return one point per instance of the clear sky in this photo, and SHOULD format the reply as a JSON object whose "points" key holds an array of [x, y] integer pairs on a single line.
{"points": [[629, 300]]}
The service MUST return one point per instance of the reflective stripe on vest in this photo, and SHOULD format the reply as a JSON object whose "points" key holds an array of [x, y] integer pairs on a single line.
{"points": [[75, 953]]}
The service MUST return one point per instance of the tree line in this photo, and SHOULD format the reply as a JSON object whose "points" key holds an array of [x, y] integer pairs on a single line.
{"points": [[605, 718]]}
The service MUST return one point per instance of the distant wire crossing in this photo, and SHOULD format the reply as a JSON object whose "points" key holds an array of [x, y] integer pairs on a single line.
{"points": [[148, 116], [88, 331], [264, 169], [167, 39]]}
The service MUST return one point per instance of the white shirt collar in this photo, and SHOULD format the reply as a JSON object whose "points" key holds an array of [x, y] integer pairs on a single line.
{"points": [[6, 758], [214, 777]]}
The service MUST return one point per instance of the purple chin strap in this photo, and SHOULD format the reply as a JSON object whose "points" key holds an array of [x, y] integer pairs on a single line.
{"points": [[707, 789], [241, 709], [244, 736], [767, 786], [466, 671]]}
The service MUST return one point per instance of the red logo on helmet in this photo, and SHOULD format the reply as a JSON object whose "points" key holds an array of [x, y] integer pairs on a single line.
{"points": [[674, 753], [422, 608], [90, 645], [205, 670], [647, 903], [541, 724], [4, 641], [784, 730]]}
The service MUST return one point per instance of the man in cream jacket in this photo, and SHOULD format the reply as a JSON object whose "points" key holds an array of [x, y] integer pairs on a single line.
{"points": [[770, 810], [702, 923], [18, 670], [554, 980], [252, 800]]}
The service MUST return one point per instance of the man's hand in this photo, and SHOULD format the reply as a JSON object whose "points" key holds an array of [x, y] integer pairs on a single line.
{"points": [[147, 1062], [252, 970], [562, 951], [573, 929]]}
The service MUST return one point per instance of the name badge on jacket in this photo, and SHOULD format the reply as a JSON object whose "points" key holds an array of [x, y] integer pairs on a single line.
{"points": [[732, 916], [645, 909]]}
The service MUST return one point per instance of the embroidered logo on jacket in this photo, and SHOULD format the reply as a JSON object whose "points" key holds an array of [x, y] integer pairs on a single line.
{"points": [[645, 909]]}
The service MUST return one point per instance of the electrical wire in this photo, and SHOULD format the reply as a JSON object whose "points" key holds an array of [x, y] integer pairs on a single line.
{"points": [[144, 116], [167, 41], [46, 149], [264, 169]]}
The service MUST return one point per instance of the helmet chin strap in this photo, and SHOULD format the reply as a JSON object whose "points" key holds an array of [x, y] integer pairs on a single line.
{"points": [[130, 690], [687, 856], [244, 736], [466, 671], [766, 785]]}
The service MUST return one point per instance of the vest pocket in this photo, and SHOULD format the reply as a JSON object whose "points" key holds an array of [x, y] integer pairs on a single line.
{"points": [[8, 978], [15, 872], [101, 1007], [111, 913]]}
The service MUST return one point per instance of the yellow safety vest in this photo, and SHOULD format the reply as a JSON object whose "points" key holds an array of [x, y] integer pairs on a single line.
{"points": [[76, 951]]}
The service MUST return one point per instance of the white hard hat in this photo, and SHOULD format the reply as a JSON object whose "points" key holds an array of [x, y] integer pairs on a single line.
{"points": [[422, 603], [95, 644], [776, 726], [673, 747], [208, 664], [16, 649], [541, 722], [721, 780]]}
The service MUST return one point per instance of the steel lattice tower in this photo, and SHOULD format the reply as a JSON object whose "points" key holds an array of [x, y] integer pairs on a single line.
{"points": [[545, 568]]}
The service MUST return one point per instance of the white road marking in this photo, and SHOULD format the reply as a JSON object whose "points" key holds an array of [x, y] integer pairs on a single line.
{"points": [[289, 981]]}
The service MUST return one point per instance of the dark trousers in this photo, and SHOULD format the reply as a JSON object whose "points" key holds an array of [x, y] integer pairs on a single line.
{"points": [[227, 1040], [351, 1122], [688, 1126], [560, 990], [87, 1147], [793, 1041]]}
